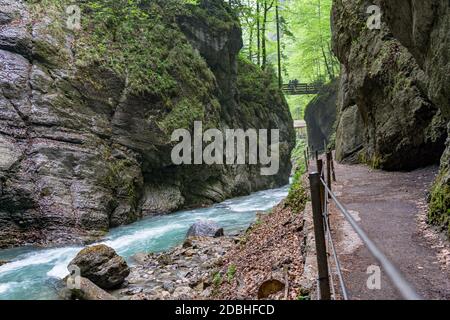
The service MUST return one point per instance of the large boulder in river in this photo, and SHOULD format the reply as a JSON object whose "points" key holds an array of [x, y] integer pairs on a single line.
{"points": [[205, 228], [102, 265]]}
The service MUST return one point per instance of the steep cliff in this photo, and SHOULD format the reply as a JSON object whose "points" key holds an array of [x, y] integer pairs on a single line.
{"points": [[394, 99], [86, 115], [424, 28], [320, 116], [403, 127]]}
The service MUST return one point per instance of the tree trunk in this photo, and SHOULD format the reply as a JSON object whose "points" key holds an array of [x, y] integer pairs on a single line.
{"points": [[280, 80], [250, 45], [267, 8], [258, 31]]}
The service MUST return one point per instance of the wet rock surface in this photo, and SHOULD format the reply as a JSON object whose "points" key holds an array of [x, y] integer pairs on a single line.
{"points": [[205, 228], [88, 290], [101, 265], [2, 262]]}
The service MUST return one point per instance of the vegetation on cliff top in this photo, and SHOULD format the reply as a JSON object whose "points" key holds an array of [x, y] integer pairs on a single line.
{"points": [[258, 91], [305, 36], [142, 43]]}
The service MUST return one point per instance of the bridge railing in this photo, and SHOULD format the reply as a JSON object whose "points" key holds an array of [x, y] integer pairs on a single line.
{"points": [[301, 88], [321, 197]]}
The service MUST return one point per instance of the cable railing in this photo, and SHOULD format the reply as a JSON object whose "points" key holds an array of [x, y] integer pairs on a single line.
{"points": [[321, 195]]}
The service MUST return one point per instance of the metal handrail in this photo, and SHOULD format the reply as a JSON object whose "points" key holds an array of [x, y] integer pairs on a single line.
{"points": [[397, 279], [333, 249]]}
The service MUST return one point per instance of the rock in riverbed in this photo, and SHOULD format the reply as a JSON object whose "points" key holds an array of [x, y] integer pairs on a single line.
{"points": [[2, 262], [205, 228], [102, 266], [185, 272], [89, 291]]}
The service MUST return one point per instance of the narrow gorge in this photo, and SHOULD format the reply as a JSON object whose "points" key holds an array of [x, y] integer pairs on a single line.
{"points": [[86, 120], [102, 199], [391, 108]]}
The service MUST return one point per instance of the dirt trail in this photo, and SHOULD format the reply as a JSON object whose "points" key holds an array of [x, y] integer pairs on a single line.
{"points": [[391, 208]]}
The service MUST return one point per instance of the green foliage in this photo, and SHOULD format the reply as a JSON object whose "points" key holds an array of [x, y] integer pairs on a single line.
{"points": [[222, 18], [118, 179], [298, 155], [142, 45], [257, 223], [258, 93], [141, 42], [217, 280], [298, 195], [304, 295], [439, 211], [305, 42], [231, 272]]}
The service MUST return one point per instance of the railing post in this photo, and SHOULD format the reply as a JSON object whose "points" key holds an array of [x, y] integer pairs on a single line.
{"points": [[321, 250], [306, 160], [321, 187], [329, 172], [332, 167]]}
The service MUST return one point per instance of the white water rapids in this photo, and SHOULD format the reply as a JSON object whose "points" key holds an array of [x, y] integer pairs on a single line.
{"points": [[35, 273]]}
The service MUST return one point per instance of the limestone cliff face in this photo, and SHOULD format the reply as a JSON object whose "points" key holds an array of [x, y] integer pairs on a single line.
{"points": [[81, 151], [320, 117], [394, 98], [403, 127], [424, 28]]}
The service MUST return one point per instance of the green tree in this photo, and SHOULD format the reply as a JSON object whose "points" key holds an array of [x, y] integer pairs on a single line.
{"points": [[296, 40]]}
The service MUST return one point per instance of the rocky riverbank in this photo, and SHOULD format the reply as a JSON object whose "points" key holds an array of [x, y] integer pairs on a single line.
{"points": [[185, 272], [268, 260]]}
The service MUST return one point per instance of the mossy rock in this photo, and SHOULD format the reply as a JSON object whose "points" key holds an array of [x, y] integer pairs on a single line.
{"points": [[298, 195], [439, 211]]}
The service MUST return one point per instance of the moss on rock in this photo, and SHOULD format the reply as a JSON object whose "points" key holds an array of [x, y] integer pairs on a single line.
{"points": [[439, 209], [298, 195]]}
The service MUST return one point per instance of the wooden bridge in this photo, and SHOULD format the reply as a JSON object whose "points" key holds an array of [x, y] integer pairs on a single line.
{"points": [[301, 89]]}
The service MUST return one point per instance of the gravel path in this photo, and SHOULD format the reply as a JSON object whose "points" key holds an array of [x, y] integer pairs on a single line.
{"points": [[391, 208]]}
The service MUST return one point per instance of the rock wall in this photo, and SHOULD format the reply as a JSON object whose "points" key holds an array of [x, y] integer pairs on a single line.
{"points": [[85, 146], [394, 99], [403, 127], [320, 117]]}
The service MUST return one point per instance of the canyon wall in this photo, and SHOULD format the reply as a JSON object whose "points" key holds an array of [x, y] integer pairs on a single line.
{"points": [[86, 116], [320, 117], [394, 97]]}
